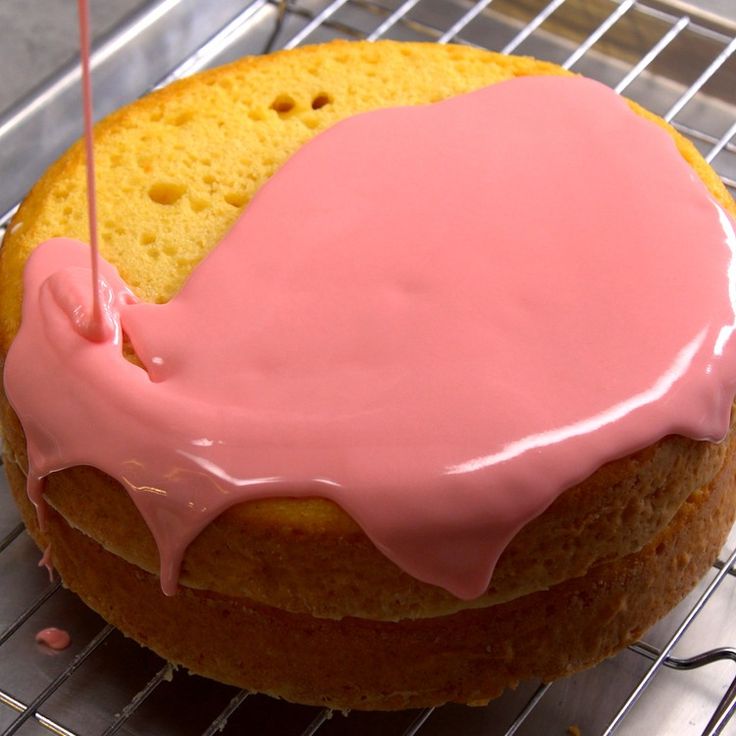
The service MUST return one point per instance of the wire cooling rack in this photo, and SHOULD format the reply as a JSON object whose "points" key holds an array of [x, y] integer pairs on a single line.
{"points": [[671, 57]]}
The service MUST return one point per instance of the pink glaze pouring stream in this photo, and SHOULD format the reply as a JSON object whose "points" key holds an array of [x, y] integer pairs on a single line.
{"points": [[98, 327], [438, 317]]}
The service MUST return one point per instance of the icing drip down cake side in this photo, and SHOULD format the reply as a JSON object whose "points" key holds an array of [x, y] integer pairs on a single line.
{"points": [[418, 380]]}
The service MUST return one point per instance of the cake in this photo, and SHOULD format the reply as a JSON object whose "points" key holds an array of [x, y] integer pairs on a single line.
{"points": [[288, 595]]}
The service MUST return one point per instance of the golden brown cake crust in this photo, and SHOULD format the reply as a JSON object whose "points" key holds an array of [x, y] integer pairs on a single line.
{"points": [[166, 196], [467, 657]]}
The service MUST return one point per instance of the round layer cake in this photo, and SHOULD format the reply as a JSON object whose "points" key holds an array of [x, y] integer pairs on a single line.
{"points": [[289, 596]]}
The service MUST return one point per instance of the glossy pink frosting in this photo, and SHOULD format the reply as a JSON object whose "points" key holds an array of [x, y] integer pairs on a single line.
{"points": [[438, 317]]}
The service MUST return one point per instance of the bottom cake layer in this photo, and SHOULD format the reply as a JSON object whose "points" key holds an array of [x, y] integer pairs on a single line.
{"points": [[467, 657]]}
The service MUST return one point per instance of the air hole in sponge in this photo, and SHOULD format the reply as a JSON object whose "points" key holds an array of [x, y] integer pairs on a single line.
{"points": [[183, 118], [236, 199], [166, 192], [320, 100], [283, 104], [198, 203]]}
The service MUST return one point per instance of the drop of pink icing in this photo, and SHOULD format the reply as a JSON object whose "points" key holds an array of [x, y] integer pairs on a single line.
{"points": [[439, 317], [53, 638], [46, 562]]}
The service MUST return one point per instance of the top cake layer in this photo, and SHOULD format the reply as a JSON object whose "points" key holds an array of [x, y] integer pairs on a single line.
{"points": [[678, 355]]}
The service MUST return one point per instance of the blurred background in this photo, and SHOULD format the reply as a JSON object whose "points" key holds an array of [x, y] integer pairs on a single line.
{"points": [[38, 36]]}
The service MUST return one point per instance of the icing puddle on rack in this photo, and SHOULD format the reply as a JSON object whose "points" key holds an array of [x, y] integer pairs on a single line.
{"points": [[450, 330], [53, 639]]}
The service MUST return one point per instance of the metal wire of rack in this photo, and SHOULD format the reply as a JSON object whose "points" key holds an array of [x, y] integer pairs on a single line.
{"points": [[528, 26]]}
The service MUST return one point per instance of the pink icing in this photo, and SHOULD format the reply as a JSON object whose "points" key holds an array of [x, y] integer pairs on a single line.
{"points": [[46, 562], [53, 638], [97, 327], [439, 317]]}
